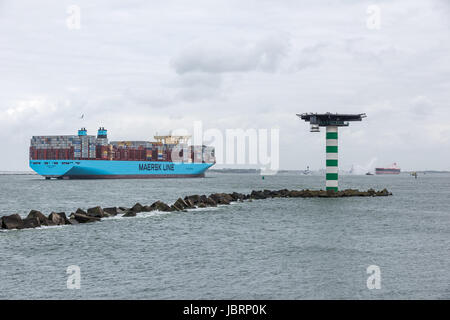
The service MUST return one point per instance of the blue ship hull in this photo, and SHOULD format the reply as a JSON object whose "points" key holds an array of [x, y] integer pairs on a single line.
{"points": [[116, 169]]}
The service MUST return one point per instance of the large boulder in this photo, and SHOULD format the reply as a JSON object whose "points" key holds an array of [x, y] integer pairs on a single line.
{"points": [[275, 194], [137, 207], [221, 198], [383, 193], [73, 221], [295, 193], [181, 204], [13, 221], [190, 203], [129, 213], [83, 218], [63, 215], [308, 193], [350, 193], [161, 206], [237, 196], [227, 197], [194, 199], [284, 192], [122, 210], [210, 202], [147, 209], [96, 212], [257, 195], [81, 211], [31, 223], [55, 218], [267, 193], [43, 220], [111, 211], [58, 218], [322, 194]]}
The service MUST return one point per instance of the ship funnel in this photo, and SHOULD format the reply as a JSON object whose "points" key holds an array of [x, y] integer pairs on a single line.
{"points": [[82, 132], [102, 133]]}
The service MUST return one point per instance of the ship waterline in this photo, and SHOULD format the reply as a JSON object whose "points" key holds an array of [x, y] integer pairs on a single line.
{"points": [[107, 169]]}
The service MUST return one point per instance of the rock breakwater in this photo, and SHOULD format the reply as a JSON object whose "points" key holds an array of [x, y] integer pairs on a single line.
{"points": [[37, 219]]}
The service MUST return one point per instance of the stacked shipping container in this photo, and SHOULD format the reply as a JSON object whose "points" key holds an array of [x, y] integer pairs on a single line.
{"points": [[85, 147]]}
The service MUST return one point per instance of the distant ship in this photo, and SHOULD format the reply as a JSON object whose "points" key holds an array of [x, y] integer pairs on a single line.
{"points": [[394, 169], [85, 156]]}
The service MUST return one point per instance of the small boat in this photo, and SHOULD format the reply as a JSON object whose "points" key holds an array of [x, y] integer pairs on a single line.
{"points": [[369, 174], [306, 171]]}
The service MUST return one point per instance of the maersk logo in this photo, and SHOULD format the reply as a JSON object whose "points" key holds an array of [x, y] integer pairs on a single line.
{"points": [[156, 167]]}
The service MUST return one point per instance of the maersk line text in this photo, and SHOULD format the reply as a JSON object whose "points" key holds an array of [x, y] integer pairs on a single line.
{"points": [[232, 309], [156, 167]]}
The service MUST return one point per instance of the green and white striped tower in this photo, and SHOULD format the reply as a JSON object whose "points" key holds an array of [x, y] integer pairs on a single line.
{"points": [[332, 158], [331, 121]]}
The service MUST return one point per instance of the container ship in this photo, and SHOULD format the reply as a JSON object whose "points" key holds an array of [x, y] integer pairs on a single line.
{"points": [[394, 169], [86, 156]]}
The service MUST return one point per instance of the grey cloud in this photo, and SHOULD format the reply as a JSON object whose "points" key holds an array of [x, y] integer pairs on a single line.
{"points": [[369, 49], [149, 66], [151, 98], [311, 56], [421, 106], [200, 79], [232, 56], [197, 86]]}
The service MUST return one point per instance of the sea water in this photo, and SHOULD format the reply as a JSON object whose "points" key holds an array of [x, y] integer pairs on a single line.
{"points": [[289, 248]]}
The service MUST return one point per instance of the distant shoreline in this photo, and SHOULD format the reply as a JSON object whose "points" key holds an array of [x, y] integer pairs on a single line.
{"points": [[250, 171], [229, 170], [5, 173]]}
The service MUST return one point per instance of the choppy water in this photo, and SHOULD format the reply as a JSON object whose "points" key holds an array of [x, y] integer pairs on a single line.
{"points": [[265, 249]]}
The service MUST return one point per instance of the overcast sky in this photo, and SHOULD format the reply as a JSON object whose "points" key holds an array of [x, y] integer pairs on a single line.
{"points": [[138, 67]]}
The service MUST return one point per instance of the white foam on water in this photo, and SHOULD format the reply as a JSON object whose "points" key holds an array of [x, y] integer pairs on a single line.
{"points": [[37, 228], [159, 213], [204, 209], [138, 215]]}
